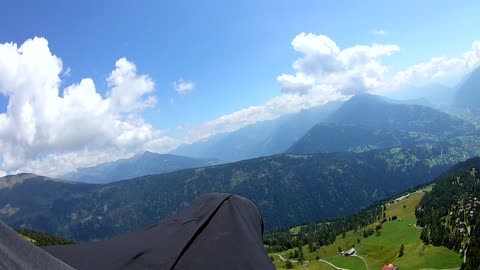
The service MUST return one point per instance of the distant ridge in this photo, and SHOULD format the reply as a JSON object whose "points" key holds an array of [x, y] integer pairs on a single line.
{"points": [[10, 181], [288, 189], [260, 139], [138, 165], [378, 112]]}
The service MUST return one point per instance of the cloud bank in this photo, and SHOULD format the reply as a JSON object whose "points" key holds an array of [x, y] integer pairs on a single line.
{"points": [[325, 72], [51, 131], [48, 130]]}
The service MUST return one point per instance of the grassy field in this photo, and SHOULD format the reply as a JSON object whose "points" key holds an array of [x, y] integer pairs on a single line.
{"points": [[382, 249]]}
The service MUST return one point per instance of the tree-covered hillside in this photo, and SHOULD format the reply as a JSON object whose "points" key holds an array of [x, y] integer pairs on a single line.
{"points": [[324, 138], [377, 112], [288, 189], [367, 122], [450, 213], [43, 239]]}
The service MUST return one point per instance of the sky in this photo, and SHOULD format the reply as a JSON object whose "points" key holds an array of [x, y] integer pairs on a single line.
{"points": [[83, 82]]}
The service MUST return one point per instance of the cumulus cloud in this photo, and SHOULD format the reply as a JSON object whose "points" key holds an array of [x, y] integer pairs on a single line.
{"points": [[324, 65], [438, 69], [51, 131], [182, 86], [326, 73], [46, 130]]}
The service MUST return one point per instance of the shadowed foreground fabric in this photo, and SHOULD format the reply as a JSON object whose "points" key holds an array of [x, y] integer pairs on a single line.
{"points": [[18, 253], [218, 231]]}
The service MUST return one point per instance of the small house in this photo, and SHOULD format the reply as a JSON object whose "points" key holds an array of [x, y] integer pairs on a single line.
{"points": [[389, 267], [350, 252]]}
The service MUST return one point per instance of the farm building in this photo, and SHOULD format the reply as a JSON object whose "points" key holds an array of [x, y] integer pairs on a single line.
{"points": [[389, 267]]}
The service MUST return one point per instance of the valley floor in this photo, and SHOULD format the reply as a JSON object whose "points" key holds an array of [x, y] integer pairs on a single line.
{"points": [[378, 250]]}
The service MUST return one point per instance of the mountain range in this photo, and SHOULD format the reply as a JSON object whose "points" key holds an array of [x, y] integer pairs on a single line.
{"points": [[368, 122], [376, 112], [341, 157], [288, 189], [138, 165], [260, 139]]}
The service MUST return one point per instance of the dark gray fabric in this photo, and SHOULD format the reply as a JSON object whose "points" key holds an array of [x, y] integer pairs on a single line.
{"points": [[218, 231], [17, 253]]}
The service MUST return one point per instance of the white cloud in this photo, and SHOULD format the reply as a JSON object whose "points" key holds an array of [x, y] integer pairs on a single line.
{"points": [[182, 86], [274, 108], [438, 69], [379, 32], [349, 71], [326, 73], [49, 131], [127, 89], [2, 173]]}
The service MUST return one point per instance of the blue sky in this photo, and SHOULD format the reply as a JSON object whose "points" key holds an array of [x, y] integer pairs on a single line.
{"points": [[232, 51]]}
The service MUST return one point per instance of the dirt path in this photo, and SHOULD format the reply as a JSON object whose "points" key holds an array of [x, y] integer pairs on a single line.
{"points": [[365, 261], [332, 265]]}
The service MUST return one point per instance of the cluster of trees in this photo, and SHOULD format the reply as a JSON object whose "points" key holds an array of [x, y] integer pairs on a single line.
{"points": [[324, 233], [444, 214], [44, 239], [297, 254]]}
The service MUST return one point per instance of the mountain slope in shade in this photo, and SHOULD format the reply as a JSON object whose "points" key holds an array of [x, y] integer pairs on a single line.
{"points": [[324, 138], [468, 95], [260, 139], [288, 189], [9, 181], [138, 165], [377, 112]]}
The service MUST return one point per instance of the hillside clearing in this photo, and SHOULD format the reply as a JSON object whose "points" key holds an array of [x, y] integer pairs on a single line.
{"points": [[380, 249]]}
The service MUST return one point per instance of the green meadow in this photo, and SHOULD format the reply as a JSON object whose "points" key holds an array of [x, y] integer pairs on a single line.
{"points": [[383, 248]]}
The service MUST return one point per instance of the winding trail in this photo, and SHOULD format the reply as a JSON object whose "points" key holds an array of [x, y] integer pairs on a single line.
{"points": [[340, 268], [363, 259], [281, 257], [332, 265]]}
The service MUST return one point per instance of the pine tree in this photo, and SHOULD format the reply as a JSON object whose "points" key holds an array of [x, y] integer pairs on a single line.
{"points": [[301, 258]]}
